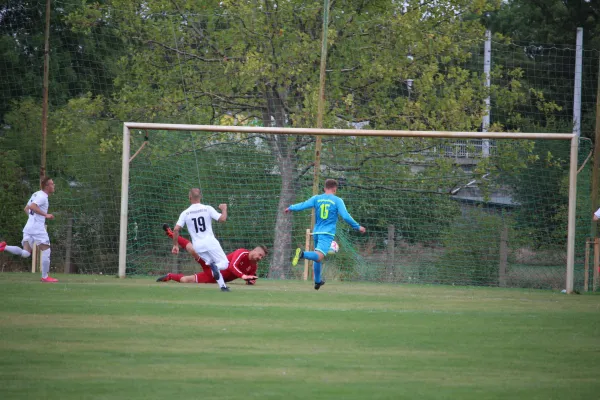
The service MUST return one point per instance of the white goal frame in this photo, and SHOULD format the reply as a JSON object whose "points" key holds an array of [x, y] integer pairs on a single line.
{"points": [[573, 137]]}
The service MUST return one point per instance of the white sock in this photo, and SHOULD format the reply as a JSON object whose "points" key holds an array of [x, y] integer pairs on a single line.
{"points": [[221, 281], [45, 263], [17, 251]]}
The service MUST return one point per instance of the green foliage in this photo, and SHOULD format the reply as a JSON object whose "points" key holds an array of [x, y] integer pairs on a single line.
{"points": [[536, 24], [81, 60], [14, 190], [538, 216], [472, 249], [547, 21]]}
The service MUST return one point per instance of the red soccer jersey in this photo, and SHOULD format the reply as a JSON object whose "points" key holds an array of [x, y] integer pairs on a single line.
{"points": [[239, 264]]}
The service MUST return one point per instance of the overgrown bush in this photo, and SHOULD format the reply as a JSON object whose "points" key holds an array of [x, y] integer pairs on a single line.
{"points": [[472, 246]]}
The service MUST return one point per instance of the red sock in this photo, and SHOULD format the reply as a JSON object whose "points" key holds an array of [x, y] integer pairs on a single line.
{"points": [[176, 277], [182, 241]]}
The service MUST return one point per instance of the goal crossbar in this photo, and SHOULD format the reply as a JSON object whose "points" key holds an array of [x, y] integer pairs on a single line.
{"points": [[574, 138], [350, 132]]}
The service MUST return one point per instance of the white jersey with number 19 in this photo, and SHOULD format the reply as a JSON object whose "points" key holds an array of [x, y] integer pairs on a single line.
{"points": [[198, 220]]}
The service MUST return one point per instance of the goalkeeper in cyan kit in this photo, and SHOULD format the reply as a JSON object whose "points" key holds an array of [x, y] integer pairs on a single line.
{"points": [[327, 207]]}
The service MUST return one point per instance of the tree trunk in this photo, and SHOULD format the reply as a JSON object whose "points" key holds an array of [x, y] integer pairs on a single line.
{"points": [[282, 245], [282, 148]]}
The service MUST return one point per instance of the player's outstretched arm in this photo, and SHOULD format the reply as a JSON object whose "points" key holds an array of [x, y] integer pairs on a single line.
{"points": [[238, 257], [301, 206]]}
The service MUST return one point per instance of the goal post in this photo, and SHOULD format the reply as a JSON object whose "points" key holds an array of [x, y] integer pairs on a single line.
{"points": [[124, 201], [492, 136]]}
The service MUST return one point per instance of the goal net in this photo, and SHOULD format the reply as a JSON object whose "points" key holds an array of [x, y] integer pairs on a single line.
{"points": [[463, 210]]}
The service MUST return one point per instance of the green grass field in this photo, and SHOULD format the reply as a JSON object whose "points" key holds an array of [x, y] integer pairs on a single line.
{"points": [[98, 337]]}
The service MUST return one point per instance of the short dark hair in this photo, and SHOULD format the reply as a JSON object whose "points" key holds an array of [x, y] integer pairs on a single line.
{"points": [[195, 193], [331, 184], [44, 181], [264, 248]]}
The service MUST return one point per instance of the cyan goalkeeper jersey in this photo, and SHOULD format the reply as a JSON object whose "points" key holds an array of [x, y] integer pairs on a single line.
{"points": [[327, 208]]}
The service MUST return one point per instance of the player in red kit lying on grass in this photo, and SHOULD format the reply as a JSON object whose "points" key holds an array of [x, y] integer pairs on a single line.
{"points": [[242, 264]]}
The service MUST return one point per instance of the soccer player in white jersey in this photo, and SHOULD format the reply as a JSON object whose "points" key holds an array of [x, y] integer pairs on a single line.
{"points": [[35, 229], [596, 215], [198, 220]]}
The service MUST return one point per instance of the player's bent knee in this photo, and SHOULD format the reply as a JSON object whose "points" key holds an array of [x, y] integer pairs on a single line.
{"points": [[25, 253], [223, 266]]}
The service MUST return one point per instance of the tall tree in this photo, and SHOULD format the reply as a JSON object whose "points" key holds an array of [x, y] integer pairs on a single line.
{"points": [[548, 21], [79, 63], [260, 59], [547, 31]]}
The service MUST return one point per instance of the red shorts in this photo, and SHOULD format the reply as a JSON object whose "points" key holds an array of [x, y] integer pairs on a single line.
{"points": [[206, 276], [203, 277]]}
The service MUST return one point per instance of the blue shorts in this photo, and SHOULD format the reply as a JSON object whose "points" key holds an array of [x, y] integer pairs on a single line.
{"points": [[323, 243]]}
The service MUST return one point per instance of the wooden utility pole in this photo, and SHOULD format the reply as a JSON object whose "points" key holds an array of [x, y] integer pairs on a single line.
{"points": [[320, 105], [320, 112], [45, 91]]}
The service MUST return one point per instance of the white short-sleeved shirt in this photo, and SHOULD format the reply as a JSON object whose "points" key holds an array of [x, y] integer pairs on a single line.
{"points": [[597, 213], [37, 223], [198, 220]]}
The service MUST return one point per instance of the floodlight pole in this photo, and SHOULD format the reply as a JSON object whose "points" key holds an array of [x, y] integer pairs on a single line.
{"points": [[596, 163], [577, 83], [487, 64], [573, 163], [571, 214]]}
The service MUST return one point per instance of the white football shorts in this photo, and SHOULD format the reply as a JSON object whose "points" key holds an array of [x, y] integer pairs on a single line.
{"points": [[36, 238], [215, 255]]}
